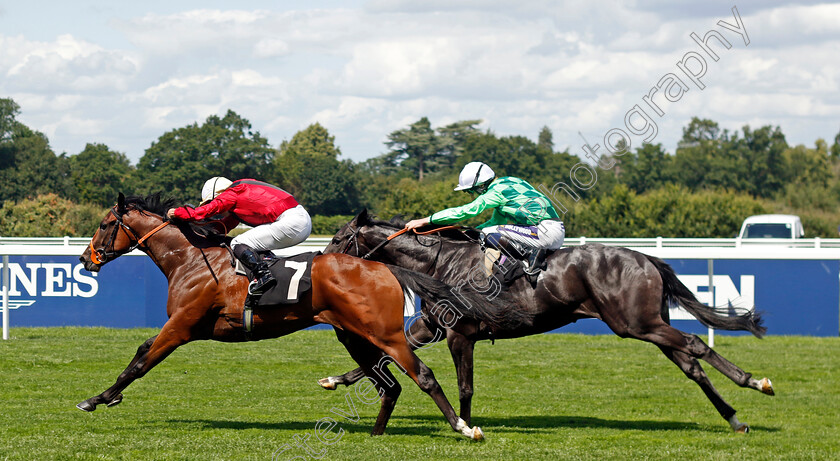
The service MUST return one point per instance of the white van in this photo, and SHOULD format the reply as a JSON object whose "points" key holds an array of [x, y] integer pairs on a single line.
{"points": [[772, 226]]}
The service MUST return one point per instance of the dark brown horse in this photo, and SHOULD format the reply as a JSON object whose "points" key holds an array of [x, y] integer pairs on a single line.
{"points": [[629, 291], [362, 300]]}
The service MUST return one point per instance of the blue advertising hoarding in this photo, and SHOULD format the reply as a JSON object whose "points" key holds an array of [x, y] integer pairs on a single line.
{"points": [[57, 291], [795, 297]]}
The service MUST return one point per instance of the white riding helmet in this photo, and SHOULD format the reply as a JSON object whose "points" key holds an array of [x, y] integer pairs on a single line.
{"points": [[212, 188], [474, 174]]}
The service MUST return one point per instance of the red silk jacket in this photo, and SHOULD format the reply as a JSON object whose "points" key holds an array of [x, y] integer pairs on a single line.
{"points": [[250, 201]]}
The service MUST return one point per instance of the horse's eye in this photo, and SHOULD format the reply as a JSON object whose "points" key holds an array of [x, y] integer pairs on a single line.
{"points": [[102, 226]]}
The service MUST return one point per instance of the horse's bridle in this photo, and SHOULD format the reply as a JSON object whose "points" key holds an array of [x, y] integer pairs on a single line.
{"points": [[354, 239], [102, 255]]}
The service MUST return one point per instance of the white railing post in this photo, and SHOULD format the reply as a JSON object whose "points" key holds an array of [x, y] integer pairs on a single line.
{"points": [[5, 297], [711, 299]]}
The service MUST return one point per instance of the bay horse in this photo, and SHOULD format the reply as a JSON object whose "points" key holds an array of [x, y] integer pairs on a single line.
{"points": [[629, 291], [363, 300]]}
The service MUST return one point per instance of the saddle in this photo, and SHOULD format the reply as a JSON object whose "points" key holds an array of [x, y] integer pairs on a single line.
{"points": [[294, 280], [293, 275]]}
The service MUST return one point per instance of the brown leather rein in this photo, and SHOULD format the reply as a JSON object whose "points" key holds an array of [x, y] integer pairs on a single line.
{"points": [[397, 234]]}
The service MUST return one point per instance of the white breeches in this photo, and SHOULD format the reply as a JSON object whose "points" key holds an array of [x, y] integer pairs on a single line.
{"points": [[547, 234], [292, 227]]}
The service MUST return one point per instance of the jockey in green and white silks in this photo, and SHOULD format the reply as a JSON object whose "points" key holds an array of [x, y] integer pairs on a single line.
{"points": [[524, 223]]}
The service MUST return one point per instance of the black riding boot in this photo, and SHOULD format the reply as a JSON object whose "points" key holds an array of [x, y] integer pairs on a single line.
{"points": [[536, 260], [511, 248], [259, 269], [533, 257]]}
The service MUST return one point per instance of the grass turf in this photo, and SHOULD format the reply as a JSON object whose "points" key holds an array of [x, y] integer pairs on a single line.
{"points": [[542, 397]]}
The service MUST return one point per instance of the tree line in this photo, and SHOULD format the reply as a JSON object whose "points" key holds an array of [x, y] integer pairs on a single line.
{"points": [[713, 180]]}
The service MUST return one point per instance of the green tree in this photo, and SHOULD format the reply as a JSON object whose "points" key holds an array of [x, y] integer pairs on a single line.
{"points": [[451, 140], [645, 169], [545, 139], [671, 211], [308, 167], [413, 199], [100, 174], [31, 168], [182, 159], [698, 157], [415, 148], [508, 156], [835, 148], [708, 158], [28, 166], [699, 130], [49, 215], [8, 122], [761, 161], [808, 178], [419, 149], [313, 141]]}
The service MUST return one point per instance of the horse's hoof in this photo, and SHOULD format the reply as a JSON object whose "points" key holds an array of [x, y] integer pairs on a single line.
{"points": [[743, 429], [327, 383], [86, 406], [478, 434], [115, 401], [738, 426], [766, 386]]}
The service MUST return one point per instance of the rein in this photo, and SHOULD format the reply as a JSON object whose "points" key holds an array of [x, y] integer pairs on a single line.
{"points": [[393, 236], [103, 255]]}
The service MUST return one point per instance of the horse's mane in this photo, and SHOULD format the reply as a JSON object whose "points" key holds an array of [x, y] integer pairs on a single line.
{"points": [[152, 203], [157, 204]]}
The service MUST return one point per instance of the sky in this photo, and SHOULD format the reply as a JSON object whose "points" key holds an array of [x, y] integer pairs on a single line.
{"points": [[125, 73]]}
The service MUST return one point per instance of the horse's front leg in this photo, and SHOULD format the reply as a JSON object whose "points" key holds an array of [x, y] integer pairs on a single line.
{"points": [[149, 354], [90, 404], [462, 349]]}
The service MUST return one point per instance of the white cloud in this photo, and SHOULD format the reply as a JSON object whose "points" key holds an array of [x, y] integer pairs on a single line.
{"points": [[270, 48], [67, 64], [363, 72]]}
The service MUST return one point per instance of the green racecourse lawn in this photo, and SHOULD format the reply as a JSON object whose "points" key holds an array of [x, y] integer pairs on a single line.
{"points": [[541, 397]]}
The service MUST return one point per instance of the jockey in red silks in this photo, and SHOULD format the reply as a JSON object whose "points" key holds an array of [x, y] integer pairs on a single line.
{"points": [[278, 220]]}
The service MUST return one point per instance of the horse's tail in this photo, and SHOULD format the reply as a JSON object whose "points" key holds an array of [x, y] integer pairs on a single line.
{"points": [[446, 304], [714, 317]]}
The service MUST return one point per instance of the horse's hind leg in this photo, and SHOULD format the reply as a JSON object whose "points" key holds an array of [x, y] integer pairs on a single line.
{"points": [[331, 383], [730, 370], [420, 335], [462, 350], [368, 356], [691, 367], [425, 379], [684, 349]]}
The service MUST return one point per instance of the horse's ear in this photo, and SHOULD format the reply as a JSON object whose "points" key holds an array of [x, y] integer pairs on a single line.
{"points": [[121, 202], [362, 217]]}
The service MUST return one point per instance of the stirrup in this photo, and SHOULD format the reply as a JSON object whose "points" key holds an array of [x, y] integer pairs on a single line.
{"points": [[260, 285], [535, 261], [531, 272]]}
